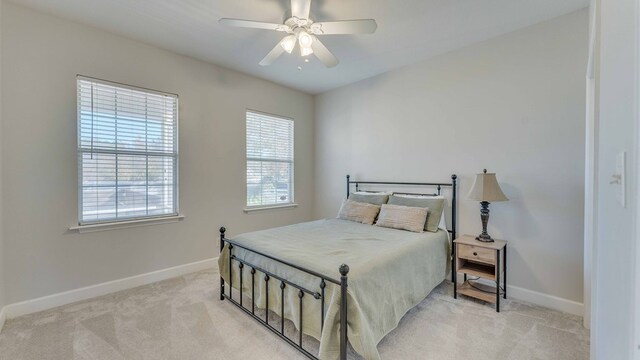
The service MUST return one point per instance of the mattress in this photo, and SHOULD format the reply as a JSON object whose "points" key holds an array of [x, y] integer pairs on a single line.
{"points": [[391, 271]]}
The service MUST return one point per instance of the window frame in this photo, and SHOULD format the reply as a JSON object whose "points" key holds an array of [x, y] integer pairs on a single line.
{"points": [[291, 203], [133, 220]]}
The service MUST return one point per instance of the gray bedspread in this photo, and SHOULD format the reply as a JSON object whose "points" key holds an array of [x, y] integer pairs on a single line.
{"points": [[391, 272]]}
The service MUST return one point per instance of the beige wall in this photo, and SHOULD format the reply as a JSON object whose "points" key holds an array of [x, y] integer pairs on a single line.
{"points": [[41, 57], [513, 104]]}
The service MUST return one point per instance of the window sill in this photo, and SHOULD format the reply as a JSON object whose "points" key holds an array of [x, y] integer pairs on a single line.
{"points": [[126, 224], [270, 207]]}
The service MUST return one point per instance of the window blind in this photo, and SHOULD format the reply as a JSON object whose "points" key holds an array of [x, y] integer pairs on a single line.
{"points": [[127, 152], [269, 159]]}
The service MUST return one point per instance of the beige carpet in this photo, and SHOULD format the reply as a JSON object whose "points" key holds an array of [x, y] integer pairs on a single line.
{"points": [[183, 319]]}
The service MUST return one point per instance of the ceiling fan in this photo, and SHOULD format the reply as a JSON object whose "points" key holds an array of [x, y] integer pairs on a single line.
{"points": [[303, 31]]}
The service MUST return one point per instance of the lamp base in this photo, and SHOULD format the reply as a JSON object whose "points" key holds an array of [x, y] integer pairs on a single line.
{"points": [[484, 216], [484, 238]]}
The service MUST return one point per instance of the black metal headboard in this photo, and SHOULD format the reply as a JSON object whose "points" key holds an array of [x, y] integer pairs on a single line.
{"points": [[437, 186]]}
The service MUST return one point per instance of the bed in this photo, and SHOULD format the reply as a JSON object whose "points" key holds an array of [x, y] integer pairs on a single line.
{"points": [[300, 273]]}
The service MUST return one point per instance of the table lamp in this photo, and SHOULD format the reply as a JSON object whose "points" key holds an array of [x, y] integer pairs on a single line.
{"points": [[486, 190]]}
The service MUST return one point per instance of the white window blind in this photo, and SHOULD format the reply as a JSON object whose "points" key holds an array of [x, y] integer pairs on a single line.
{"points": [[127, 152], [269, 160]]}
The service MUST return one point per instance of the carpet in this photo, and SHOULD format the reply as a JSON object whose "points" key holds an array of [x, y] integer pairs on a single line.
{"points": [[183, 319]]}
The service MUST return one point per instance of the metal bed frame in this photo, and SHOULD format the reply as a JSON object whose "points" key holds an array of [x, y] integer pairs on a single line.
{"points": [[318, 294]]}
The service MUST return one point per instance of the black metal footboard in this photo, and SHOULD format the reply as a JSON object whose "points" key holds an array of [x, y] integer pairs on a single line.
{"points": [[318, 295]]}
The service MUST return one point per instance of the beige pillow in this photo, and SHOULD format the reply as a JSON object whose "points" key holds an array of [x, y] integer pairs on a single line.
{"points": [[403, 217], [435, 204], [358, 212]]}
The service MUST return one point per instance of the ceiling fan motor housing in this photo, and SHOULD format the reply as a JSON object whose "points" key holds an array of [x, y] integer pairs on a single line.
{"points": [[294, 24]]}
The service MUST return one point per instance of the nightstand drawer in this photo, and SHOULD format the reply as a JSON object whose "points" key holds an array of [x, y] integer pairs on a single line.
{"points": [[475, 253]]}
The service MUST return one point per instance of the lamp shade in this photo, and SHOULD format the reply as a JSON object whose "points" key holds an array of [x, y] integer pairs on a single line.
{"points": [[486, 188]]}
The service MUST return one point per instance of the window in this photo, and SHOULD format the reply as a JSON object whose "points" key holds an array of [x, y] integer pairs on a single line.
{"points": [[269, 160], [127, 152]]}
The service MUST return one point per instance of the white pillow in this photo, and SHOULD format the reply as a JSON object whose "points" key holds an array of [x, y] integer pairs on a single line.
{"points": [[413, 196], [443, 223], [373, 193]]}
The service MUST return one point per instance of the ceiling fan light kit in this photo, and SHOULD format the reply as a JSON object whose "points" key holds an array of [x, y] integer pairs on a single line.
{"points": [[306, 51], [303, 32], [288, 43]]}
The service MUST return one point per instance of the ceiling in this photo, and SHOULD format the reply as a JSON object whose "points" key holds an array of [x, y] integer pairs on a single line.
{"points": [[408, 31]]}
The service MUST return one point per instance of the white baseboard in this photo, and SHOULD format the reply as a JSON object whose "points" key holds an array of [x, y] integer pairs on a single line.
{"points": [[545, 300], [51, 301], [541, 299]]}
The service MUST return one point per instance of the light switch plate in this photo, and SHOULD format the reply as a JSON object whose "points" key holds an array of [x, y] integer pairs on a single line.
{"points": [[621, 164]]}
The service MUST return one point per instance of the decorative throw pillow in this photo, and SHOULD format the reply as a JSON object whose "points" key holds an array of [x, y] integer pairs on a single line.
{"points": [[434, 204], [358, 212], [403, 217], [370, 198]]}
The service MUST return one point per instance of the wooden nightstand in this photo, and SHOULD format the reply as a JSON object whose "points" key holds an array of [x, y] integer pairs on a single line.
{"points": [[483, 260]]}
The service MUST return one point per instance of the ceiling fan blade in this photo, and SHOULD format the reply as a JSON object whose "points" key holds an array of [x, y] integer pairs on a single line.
{"points": [[300, 8], [323, 54], [272, 55], [364, 26], [252, 24]]}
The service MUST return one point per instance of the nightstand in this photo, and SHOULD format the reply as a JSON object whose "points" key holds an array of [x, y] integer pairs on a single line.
{"points": [[482, 260]]}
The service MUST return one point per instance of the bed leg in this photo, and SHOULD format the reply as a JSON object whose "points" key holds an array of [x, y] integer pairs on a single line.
{"points": [[344, 270], [222, 231], [454, 208]]}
